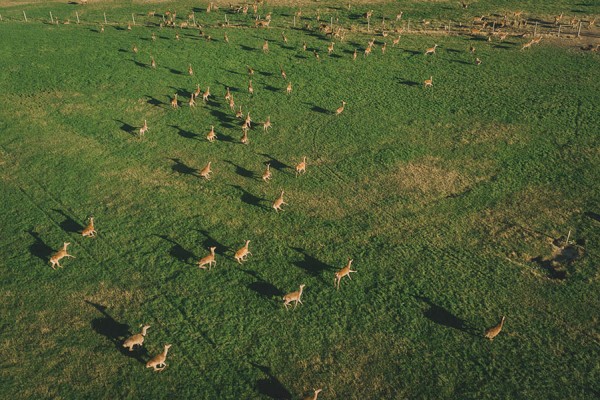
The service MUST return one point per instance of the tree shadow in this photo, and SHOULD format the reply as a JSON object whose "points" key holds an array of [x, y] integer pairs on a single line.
{"points": [[125, 127], [116, 333], [246, 173], [270, 386], [441, 316], [310, 264], [39, 248], [69, 224], [249, 198], [275, 163], [184, 133], [182, 168], [178, 252], [211, 241]]}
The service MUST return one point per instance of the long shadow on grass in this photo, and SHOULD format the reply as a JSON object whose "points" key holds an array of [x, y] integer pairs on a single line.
{"points": [[116, 332], [275, 163], [270, 386], [69, 224], [316, 108], [249, 198], [263, 287], [441, 316], [178, 252], [246, 173], [407, 82], [185, 134], [310, 264], [592, 215], [211, 241], [39, 248], [125, 127], [182, 168], [155, 102]]}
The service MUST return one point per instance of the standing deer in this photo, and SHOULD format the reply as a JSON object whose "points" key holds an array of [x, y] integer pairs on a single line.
{"points": [[192, 102], [267, 175], [174, 102], [330, 48], [267, 124], [242, 253], [206, 94], [301, 167], [354, 55], [156, 361], [228, 95], [136, 340], [89, 230], [289, 88], [340, 109], [428, 82], [59, 255], [209, 259], [342, 273], [250, 88], [206, 171], [265, 47], [190, 70], [315, 395], [244, 139], [431, 50], [294, 296], [153, 63], [211, 136], [492, 332], [278, 203]]}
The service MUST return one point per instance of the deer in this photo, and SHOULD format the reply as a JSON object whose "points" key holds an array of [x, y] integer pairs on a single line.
{"points": [[267, 124], [341, 108], [153, 37], [250, 88], [208, 260], [262, 24], [399, 16], [330, 48], [265, 47], [314, 396], [278, 203], [368, 51], [177, 36], [59, 255], [285, 40], [396, 41], [342, 273], [289, 88], [354, 55], [101, 28], [89, 230], [492, 332], [190, 70], [174, 102], [153, 63], [211, 136], [304, 46], [316, 54], [129, 26], [431, 50], [301, 167], [250, 70], [294, 296], [477, 61], [226, 38], [197, 91], [136, 340], [143, 129], [244, 139], [368, 14], [228, 95], [158, 360], [383, 48], [283, 74], [527, 45], [206, 94], [231, 103], [558, 18], [536, 40], [248, 120], [242, 253], [135, 49], [239, 114], [428, 82], [267, 175], [192, 101], [206, 171]]}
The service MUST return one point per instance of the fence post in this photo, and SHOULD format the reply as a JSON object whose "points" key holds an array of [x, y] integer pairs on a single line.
{"points": [[105, 19], [77, 15], [579, 30], [51, 19], [25, 15]]}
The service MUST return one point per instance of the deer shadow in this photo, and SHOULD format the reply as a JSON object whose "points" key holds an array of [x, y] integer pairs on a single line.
{"points": [[39, 248], [181, 92], [263, 287], [408, 83], [592, 215], [210, 241], [275, 163], [125, 127], [266, 73], [310, 264], [154, 101], [442, 316], [182, 168], [174, 71], [69, 224], [116, 333], [316, 108], [225, 119], [270, 386], [247, 48], [185, 134], [179, 252], [140, 64], [249, 198], [246, 173]]}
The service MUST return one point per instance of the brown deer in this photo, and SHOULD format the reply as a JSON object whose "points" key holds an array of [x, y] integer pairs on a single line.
{"points": [[248, 120], [330, 48], [231, 103], [244, 139], [143, 129], [153, 63], [342, 273], [341, 108], [156, 361], [208, 260], [250, 70], [285, 40], [206, 171], [278, 203], [267, 175], [206, 94], [428, 82], [265, 47], [135, 49], [289, 88], [283, 74], [354, 55], [384, 48], [228, 95], [301, 167], [315, 395], [211, 136], [396, 41], [267, 124], [250, 88], [197, 91], [239, 114], [136, 340], [294, 296], [89, 230], [59, 255], [492, 332], [174, 102], [192, 101], [431, 50], [190, 70], [242, 253]]}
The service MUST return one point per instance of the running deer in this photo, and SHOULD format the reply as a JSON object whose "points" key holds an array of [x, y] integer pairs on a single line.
{"points": [[267, 175], [289, 88], [285, 40], [156, 361], [136, 340], [239, 114], [330, 48], [265, 47], [267, 124], [342, 273], [228, 95], [250, 70], [211, 136], [262, 24], [283, 74], [192, 102], [135, 49], [431, 50], [278, 203], [208, 260], [206, 171], [143, 129], [396, 41], [428, 82], [206, 94], [383, 48], [197, 91], [527, 45], [89, 230], [59, 255], [301, 167], [492, 332], [247, 121], [340, 109], [354, 55], [294, 296], [153, 63], [250, 88], [190, 70], [242, 254], [315, 395], [174, 102], [244, 139]]}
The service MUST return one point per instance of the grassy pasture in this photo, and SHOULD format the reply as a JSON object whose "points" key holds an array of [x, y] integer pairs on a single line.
{"points": [[447, 199]]}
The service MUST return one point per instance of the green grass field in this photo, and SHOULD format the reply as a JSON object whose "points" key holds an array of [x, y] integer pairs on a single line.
{"points": [[447, 198]]}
